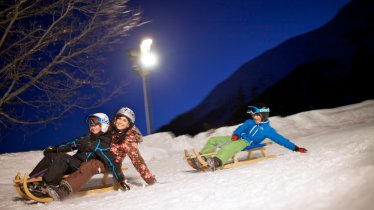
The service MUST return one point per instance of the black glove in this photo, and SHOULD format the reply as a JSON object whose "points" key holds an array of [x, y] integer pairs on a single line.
{"points": [[124, 185], [50, 149], [88, 146]]}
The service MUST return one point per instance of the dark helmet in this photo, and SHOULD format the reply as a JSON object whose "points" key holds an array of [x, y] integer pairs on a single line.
{"points": [[261, 109]]}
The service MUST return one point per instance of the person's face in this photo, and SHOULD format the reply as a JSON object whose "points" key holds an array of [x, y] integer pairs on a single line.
{"points": [[121, 123], [95, 128], [257, 118]]}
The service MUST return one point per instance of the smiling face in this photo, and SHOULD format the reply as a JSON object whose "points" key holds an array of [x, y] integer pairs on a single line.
{"points": [[121, 123], [95, 128], [257, 118]]}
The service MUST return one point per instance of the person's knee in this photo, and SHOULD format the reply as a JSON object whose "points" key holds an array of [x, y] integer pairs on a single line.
{"points": [[92, 167], [57, 156], [52, 155]]}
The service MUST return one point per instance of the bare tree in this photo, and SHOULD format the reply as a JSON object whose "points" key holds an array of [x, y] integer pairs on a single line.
{"points": [[51, 53]]}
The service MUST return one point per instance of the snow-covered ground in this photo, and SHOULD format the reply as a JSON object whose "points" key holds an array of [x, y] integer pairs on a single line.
{"points": [[336, 174]]}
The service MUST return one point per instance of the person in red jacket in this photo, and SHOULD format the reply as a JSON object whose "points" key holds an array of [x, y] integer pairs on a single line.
{"points": [[125, 139]]}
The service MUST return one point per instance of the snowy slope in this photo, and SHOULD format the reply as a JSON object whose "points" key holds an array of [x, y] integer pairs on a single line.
{"points": [[337, 173]]}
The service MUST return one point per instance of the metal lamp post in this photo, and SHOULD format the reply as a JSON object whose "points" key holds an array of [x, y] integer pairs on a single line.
{"points": [[144, 61]]}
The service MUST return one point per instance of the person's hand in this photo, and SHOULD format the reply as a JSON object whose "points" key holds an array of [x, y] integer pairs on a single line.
{"points": [[50, 149], [300, 149], [88, 146], [125, 186], [234, 137]]}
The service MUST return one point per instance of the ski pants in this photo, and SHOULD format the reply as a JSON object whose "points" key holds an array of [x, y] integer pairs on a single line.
{"points": [[87, 170], [54, 166], [228, 147], [107, 157], [92, 167]]}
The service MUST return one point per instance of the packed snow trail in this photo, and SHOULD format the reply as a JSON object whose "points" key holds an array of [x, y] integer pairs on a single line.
{"points": [[337, 173]]}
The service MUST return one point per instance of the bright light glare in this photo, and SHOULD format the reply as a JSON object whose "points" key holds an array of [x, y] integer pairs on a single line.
{"points": [[145, 46], [148, 60]]}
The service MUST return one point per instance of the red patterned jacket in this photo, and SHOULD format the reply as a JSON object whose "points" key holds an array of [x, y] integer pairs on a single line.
{"points": [[127, 144], [119, 147]]}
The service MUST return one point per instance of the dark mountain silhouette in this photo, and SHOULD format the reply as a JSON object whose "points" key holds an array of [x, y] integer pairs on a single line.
{"points": [[325, 68]]}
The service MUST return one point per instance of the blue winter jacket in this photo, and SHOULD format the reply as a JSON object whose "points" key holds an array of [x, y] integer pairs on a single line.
{"points": [[256, 133]]}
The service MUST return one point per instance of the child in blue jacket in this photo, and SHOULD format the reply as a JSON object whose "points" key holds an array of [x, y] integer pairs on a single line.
{"points": [[251, 133]]}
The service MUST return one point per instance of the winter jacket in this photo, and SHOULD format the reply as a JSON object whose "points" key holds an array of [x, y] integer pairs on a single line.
{"points": [[84, 146], [123, 143], [101, 149], [126, 143], [119, 140], [55, 165], [256, 133]]}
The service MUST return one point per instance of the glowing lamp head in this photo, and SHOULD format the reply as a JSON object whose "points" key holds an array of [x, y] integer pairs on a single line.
{"points": [[147, 58]]}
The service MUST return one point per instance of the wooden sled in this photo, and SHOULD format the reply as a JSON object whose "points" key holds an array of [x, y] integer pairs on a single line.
{"points": [[251, 158], [22, 187]]}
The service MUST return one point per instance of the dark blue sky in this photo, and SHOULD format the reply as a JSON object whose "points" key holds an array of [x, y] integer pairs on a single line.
{"points": [[199, 44]]}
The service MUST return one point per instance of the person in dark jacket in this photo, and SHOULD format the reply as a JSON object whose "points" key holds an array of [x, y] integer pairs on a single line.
{"points": [[125, 139], [251, 133], [56, 163]]}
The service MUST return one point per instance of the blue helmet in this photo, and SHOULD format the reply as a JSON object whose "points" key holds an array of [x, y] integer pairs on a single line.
{"points": [[260, 109]]}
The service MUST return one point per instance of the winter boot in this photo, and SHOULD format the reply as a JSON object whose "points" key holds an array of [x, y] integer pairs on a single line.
{"points": [[61, 192], [38, 189], [195, 163], [213, 163]]}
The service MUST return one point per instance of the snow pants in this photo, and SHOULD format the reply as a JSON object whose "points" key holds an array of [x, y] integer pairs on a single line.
{"points": [[87, 170], [54, 166], [228, 147]]}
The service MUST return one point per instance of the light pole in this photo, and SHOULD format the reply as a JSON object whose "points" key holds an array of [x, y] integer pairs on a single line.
{"points": [[144, 60]]}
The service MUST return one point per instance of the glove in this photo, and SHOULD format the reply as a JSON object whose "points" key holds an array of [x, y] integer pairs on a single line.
{"points": [[88, 146], [50, 149], [300, 149], [124, 185], [234, 137]]}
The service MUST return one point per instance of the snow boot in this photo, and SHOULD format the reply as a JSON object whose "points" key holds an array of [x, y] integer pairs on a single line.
{"points": [[38, 189], [61, 192], [213, 163], [195, 163]]}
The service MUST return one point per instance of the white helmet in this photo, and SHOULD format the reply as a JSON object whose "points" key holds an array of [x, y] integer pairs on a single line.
{"points": [[99, 118], [127, 112]]}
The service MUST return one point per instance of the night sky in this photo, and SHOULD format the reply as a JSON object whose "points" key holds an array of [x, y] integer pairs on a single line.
{"points": [[199, 44]]}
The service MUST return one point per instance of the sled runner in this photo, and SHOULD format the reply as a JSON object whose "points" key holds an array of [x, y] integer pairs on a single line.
{"points": [[198, 161], [31, 188]]}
